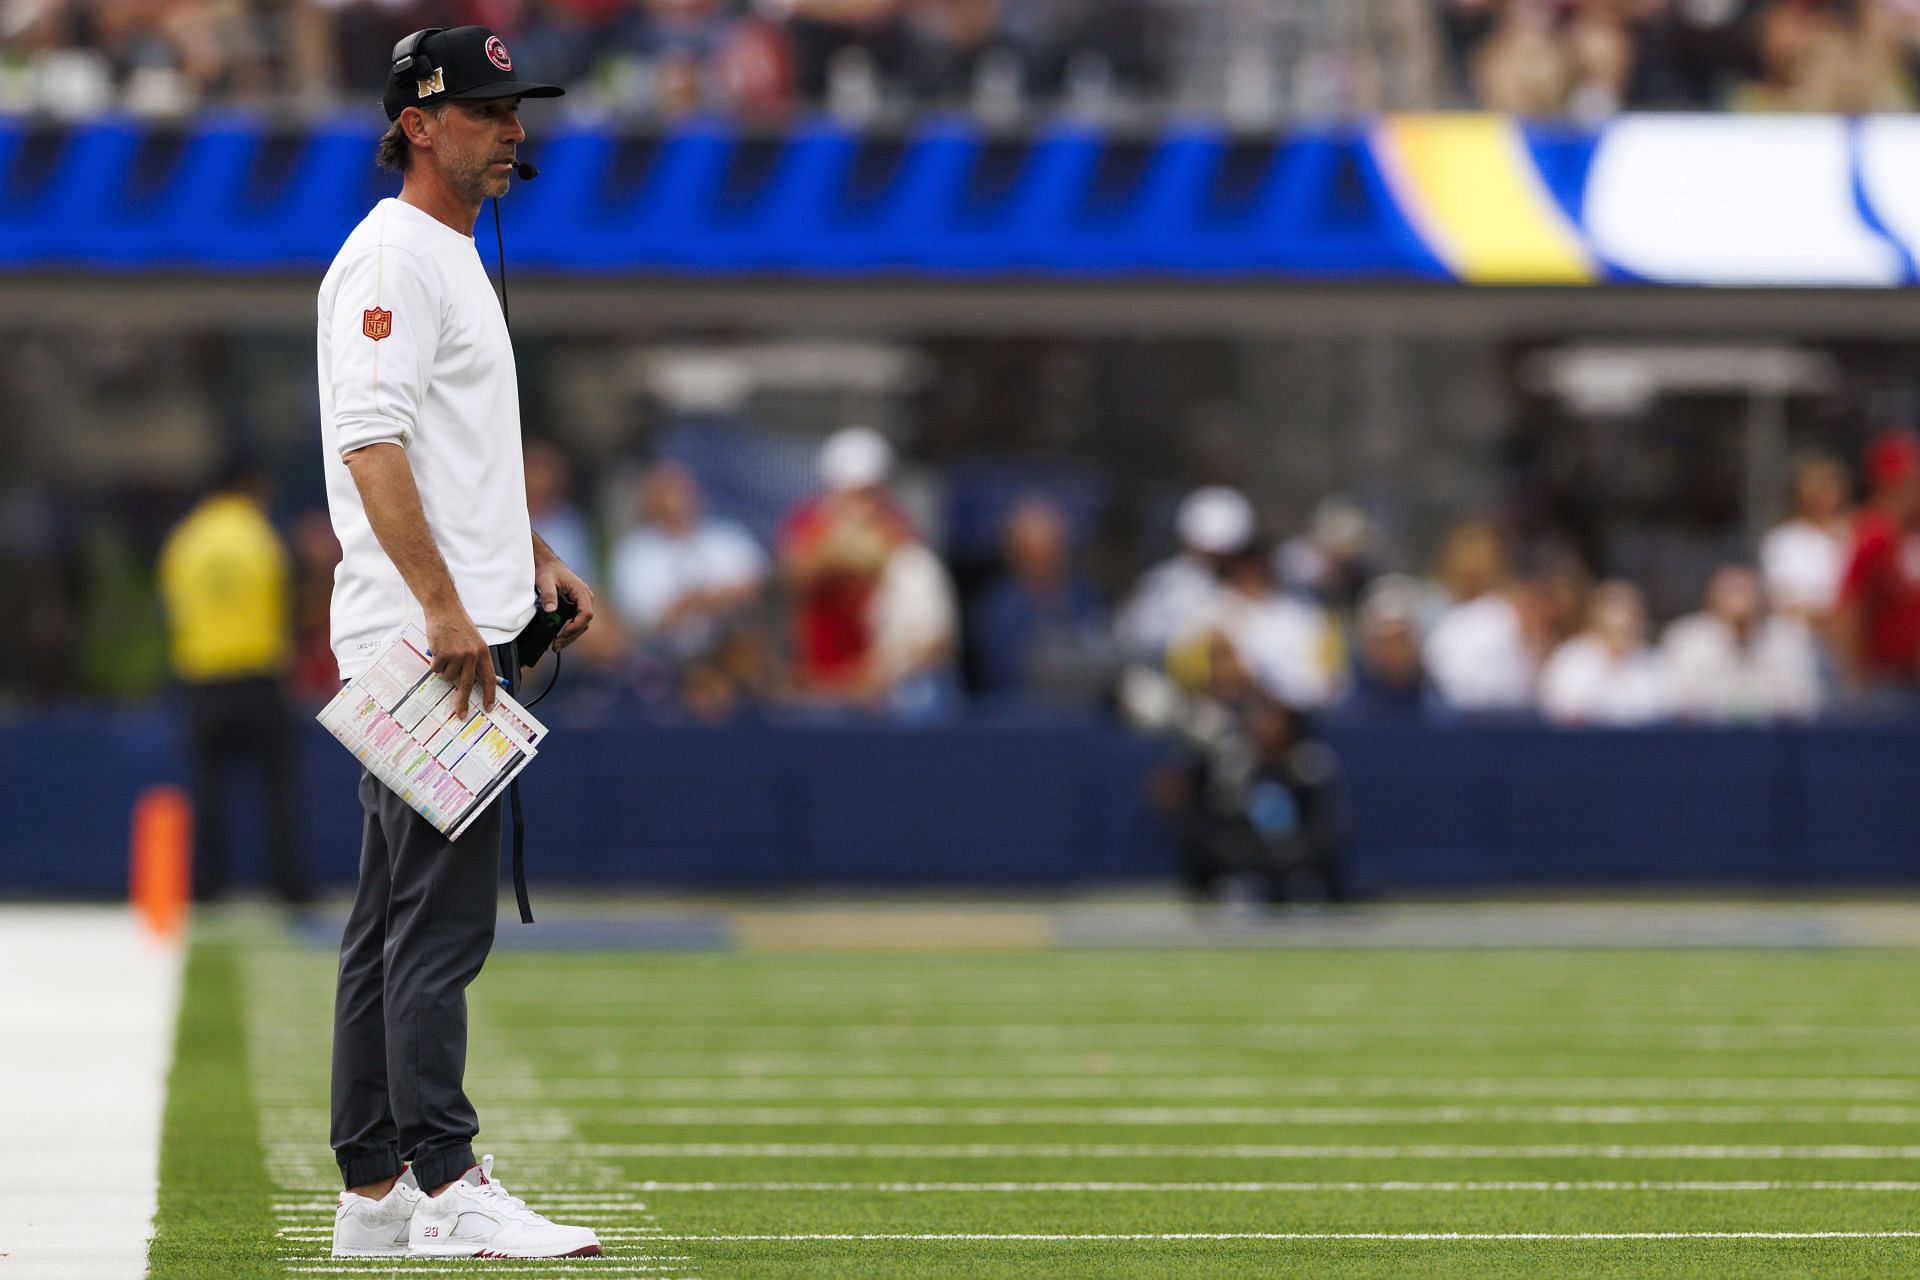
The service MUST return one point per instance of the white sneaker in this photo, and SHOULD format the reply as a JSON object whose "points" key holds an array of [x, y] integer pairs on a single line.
{"points": [[367, 1228], [476, 1218]]}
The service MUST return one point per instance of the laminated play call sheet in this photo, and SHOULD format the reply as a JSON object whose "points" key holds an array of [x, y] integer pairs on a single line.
{"points": [[398, 717]]}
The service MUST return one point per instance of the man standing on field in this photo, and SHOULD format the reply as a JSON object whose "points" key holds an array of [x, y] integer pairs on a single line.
{"points": [[420, 416]]}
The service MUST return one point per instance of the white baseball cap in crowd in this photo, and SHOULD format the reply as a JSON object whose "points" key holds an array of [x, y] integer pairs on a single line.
{"points": [[1391, 600], [855, 458], [1216, 520]]}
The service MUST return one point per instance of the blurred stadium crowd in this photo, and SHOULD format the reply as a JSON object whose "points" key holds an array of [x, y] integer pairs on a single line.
{"points": [[1250, 61], [1825, 618], [839, 604]]}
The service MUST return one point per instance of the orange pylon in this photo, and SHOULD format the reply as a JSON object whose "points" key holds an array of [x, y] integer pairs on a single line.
{"points": [[161, 858]]}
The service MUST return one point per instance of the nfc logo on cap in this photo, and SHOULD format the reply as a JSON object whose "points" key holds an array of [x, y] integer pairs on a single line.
{"points": [[435, 83]]}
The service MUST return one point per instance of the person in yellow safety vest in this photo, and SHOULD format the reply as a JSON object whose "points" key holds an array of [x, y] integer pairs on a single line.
{"points": [[224, 579]]}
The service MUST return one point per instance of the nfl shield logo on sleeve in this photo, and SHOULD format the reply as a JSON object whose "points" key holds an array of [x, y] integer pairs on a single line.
{"points": [[375, 323]]}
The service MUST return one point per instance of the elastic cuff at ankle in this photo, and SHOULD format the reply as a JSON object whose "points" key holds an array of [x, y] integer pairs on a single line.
{"points": [[435, 1169], [359, 1170]]}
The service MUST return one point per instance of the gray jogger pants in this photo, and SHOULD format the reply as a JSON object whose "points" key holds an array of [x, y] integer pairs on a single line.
{"points": [[420, 929]]}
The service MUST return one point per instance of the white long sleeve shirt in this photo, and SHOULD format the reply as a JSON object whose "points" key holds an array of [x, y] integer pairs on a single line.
{"points": [[413, 351]]}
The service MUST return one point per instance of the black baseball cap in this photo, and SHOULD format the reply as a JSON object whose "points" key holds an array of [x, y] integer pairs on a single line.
{"points": [[455, 64]]}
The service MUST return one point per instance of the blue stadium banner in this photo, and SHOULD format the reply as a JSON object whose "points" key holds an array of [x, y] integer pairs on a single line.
{"points": [[1474, 199]]}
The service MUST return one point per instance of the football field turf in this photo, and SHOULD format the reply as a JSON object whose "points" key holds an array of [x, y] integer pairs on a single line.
{"points": [[1197, 1112]]}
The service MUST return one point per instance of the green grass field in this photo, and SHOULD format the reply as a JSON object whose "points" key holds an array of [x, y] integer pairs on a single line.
{"points": [[1107, 1113]]}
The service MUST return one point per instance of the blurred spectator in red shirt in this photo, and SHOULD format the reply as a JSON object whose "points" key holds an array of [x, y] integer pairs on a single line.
{"points": [[834, 549], [1877, 625], [753, 71]]}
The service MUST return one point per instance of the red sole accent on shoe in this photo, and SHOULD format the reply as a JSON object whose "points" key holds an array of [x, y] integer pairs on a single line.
{"points": [[588, 1251]]}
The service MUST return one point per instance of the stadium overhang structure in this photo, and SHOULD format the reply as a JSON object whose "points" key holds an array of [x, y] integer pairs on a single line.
{"points": [[167, 303], [1742, 225]]}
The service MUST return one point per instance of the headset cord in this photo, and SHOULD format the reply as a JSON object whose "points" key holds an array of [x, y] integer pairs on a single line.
{"points": [[513, 788], [552, 680], [506, 314], [500, 246]]}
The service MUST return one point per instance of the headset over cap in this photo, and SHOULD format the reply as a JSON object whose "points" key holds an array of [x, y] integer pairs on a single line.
{"points": [[454, 63]]}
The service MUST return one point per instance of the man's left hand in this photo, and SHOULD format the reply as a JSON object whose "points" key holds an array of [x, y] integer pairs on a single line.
{"points": [[552, 579]]}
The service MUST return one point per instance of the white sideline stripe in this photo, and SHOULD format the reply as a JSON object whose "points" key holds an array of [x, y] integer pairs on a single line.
{"points": [[1251, 1151], [988, 1117], [1392, 1236], [85, 1044], [1263, 1188]]}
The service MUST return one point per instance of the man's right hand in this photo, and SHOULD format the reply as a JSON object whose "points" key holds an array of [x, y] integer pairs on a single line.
{"points": [[461, 656]]}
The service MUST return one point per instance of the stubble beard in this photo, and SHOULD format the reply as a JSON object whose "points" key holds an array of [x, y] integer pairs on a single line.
{"points": [[476, 181]]}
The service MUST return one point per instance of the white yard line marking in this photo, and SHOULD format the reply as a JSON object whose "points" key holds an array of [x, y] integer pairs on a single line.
{"points": [[1269, 1188], [87, 1023], [778, 1088], [1334, 1033], [1247, 1151], [1113, 1061], [963, 1117], [1391, 1236], [751, 1057]]}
